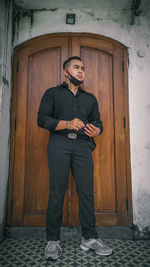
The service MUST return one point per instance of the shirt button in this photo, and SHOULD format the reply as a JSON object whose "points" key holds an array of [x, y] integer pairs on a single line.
{"points": [[74, 108]]}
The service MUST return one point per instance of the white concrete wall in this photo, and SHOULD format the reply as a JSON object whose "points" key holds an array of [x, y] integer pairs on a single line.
{"points": [[5, 99], [114, 23]]}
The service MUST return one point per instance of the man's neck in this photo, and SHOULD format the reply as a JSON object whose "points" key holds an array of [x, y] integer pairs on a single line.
{"points": [[74, 89]]}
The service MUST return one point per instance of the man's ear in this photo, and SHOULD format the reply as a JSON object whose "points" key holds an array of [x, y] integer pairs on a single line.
{"points": [[66, 73]]}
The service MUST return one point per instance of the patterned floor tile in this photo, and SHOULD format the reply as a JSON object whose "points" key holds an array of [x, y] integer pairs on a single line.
{"points": [[27, 253]]}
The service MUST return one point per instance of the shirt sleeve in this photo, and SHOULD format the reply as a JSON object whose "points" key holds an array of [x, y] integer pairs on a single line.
{"points": [[46, 118], [94, 116]]}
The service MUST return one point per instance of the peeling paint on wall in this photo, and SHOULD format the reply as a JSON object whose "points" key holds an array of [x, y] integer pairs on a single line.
{"points": [[142, 215], [147, 146], [5, 98]]}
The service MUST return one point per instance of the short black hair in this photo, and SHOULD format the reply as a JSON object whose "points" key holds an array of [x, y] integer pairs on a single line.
{"points": [[68, 61]]}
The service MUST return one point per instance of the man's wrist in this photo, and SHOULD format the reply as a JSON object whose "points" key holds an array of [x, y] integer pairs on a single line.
{"points": [[67, 124]]}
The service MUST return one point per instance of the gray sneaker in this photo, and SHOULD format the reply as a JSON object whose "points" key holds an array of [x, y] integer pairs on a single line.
{"points": [[97, 245], [51, 250]]}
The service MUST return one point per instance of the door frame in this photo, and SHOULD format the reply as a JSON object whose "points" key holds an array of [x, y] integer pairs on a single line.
{"points": [[129, 216]]}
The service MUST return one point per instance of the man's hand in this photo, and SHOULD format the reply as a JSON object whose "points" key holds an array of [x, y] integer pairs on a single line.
{"points": [[91, 130], [75, 124]]}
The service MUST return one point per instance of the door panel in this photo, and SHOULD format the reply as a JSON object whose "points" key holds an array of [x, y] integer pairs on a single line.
{"points": [[36, 176], [40, 67], [37, 72], [99, 81]]}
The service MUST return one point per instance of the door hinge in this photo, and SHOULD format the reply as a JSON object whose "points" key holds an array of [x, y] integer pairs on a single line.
{"points": [[128, 62], [11, 206], [127, 204], [15, 123], [124, 122], [123, 65], [17, 66]]}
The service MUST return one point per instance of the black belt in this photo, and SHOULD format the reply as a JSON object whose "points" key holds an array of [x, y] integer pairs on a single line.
{"points": [[72, 135]]}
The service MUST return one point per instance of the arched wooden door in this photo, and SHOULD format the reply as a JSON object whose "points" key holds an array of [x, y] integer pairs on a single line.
{"points": [[38, 66]]}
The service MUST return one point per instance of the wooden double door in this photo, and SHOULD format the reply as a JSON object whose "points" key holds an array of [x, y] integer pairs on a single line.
{"points": [[38, 66]]}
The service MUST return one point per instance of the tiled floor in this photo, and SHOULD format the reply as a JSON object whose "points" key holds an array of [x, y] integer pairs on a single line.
{"points": [[29, 252]]}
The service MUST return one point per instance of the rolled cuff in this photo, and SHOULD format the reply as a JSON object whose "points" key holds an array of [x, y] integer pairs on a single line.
{"points": [[48, 123]]}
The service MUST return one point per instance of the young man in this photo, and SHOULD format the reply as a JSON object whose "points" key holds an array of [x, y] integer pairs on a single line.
{"points": [[72, 116]]}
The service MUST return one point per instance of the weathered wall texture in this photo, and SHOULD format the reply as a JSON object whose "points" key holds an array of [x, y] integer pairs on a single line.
{"points": [[114, 23], [5, 98]]}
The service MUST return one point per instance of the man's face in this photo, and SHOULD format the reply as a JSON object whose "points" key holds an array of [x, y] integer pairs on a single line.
{"points": [[76, 69]]}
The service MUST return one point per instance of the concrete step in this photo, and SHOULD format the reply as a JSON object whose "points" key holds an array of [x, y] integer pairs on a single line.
{"points": [[125, 233]]}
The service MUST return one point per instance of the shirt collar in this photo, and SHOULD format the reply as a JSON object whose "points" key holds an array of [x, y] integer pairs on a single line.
{"points": [[67, 87]]}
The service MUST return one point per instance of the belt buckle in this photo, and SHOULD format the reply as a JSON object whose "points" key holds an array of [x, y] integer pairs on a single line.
{"points": [[72, 135]]}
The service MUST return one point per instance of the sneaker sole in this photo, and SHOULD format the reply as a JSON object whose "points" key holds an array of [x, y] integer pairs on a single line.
{"points": [[46, 257], [101, 254], [104, 254], [84, 248]]}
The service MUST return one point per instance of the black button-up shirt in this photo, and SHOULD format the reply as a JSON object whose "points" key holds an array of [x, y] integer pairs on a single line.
{"points": [[59, 103]]}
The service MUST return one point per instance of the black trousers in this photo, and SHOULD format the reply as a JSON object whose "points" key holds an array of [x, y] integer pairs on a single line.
{"points": [[64, 153]]}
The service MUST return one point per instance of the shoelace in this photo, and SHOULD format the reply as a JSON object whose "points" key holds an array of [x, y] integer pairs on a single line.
{"points": [[100, 242], [52, 245]]}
